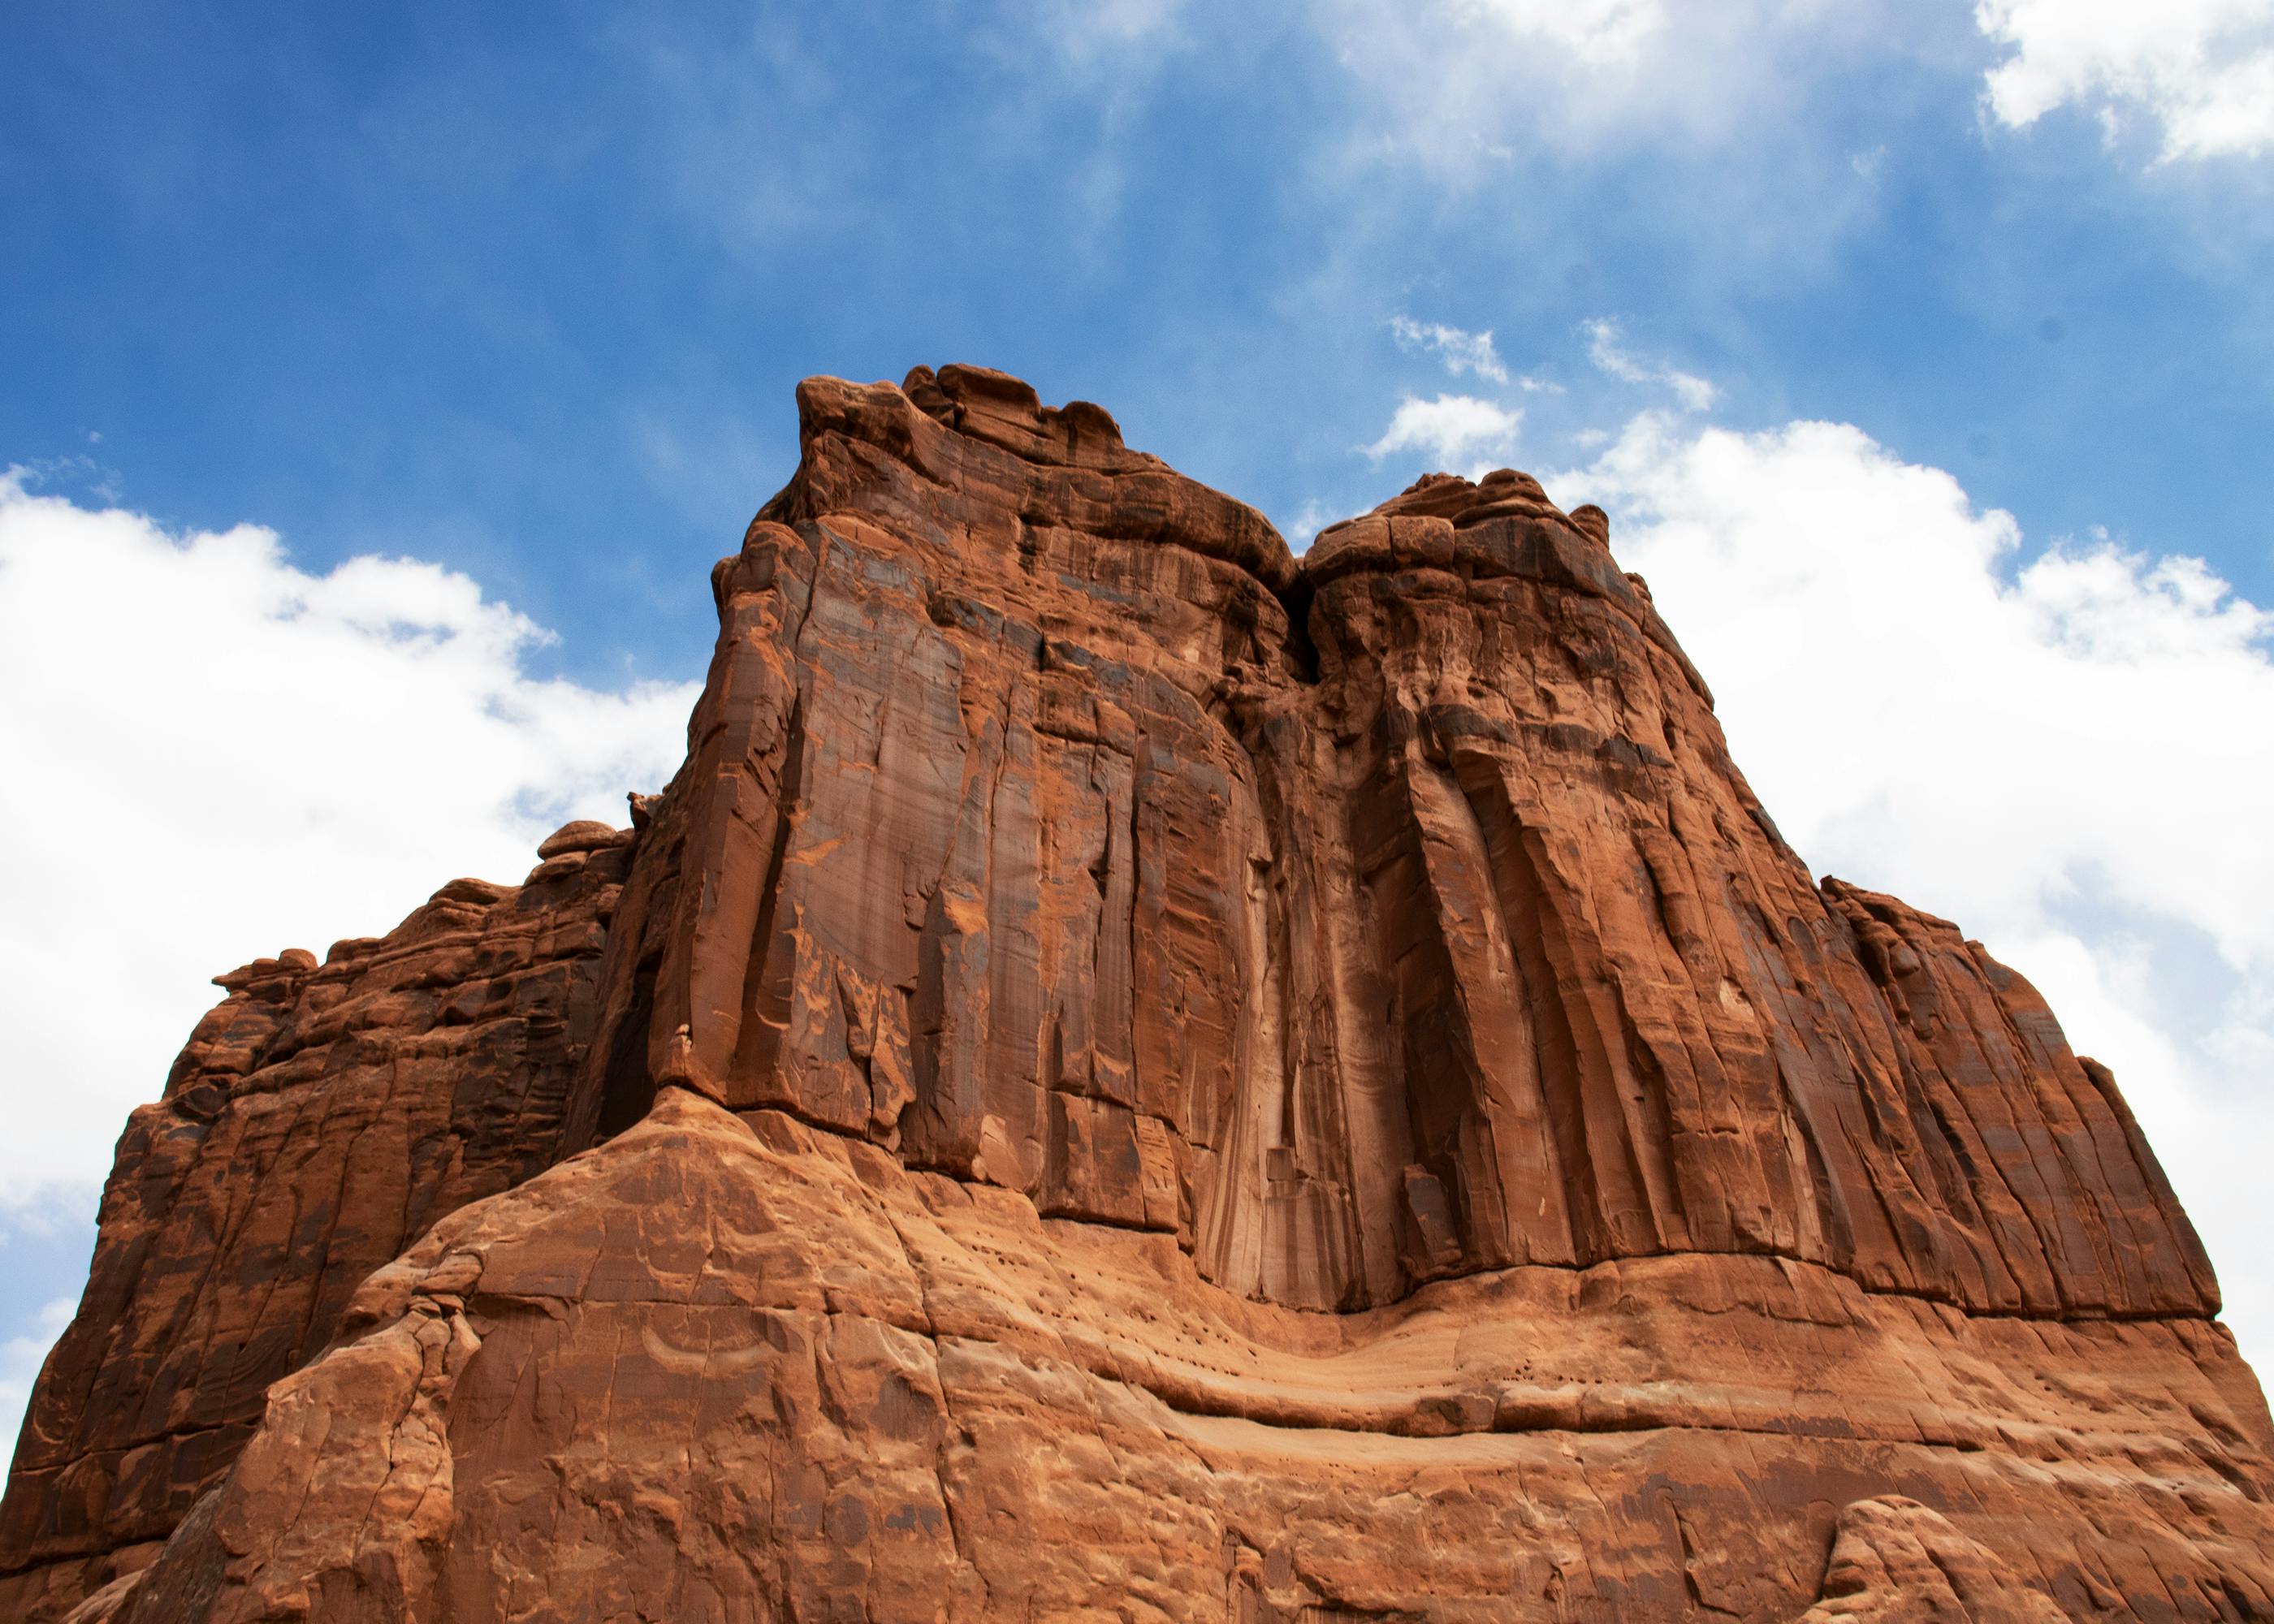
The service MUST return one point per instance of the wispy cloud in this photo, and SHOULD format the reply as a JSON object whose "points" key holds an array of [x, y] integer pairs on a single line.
{"points": [[1597, 33], [1607, 348], [1312, 517], [76, 471], [1463, 80], [1090, 29], [2203, 70], [1461, 351], [1452, 428], [1464, 353]]}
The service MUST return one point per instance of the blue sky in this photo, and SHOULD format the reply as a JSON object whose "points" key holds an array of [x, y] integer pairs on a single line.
{"points": [[516, 299], [529, 291]]}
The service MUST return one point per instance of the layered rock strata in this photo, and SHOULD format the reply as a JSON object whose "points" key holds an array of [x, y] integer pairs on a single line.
{"points": [[1132, 1076]]}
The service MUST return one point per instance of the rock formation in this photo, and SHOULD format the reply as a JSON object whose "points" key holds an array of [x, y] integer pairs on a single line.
{"points": [[1132, 1076]]}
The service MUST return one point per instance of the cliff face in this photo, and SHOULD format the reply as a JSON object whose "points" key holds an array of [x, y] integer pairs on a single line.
{"points": [[1132, 1076], [321, 1119]]}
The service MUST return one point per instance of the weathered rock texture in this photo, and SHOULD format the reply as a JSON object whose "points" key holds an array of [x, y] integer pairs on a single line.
{"points": [[1131, 1076], [321, 1118]]}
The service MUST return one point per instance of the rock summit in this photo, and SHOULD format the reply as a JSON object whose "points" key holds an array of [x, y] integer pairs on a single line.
{"points": [[1133, 1076]]}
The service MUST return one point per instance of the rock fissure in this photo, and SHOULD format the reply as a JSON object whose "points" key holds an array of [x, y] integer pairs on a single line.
{"points": [[1132, 1073]]}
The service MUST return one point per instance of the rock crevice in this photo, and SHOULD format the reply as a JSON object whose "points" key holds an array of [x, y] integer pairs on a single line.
{"points": [[1132, 1073]]}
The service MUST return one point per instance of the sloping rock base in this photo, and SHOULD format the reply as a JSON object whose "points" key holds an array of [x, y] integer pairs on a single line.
{"points": [[1133, 1077]]}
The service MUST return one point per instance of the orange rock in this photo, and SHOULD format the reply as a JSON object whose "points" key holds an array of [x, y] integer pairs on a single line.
{"points": [[1132, 1076], [321, 1118]]}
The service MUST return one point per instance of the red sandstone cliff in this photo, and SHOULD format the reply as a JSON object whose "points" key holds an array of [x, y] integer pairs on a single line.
{"points": [[1129, 1076]]}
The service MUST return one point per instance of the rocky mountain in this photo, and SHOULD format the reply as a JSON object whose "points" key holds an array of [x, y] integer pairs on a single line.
{"points": [[1133, 1076]]}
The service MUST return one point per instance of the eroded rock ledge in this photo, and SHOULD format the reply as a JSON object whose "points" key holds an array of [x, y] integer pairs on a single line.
{"points": [[1133, 1075]]}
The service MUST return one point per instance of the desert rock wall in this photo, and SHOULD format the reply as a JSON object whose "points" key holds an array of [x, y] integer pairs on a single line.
{"points": [[1395, 916], [1130, 1075], [635, 1386], [321, 1118]]}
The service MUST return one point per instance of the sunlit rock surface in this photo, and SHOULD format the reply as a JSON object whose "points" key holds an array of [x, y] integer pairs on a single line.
{"points": [[1132, 1076]]}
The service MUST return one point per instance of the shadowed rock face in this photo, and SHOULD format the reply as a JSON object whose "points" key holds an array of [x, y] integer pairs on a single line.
{"points": [[1129, 1075]]}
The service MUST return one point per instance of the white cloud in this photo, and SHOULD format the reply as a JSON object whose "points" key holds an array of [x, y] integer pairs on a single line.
{"points": [[212, 755], [1455, 81], [2203, 70], [20, 1358], [1460, 351], [1596, 33], [1452, 428], [2073, 759], [1312, 517], [1607, 348], [1087, 27]]}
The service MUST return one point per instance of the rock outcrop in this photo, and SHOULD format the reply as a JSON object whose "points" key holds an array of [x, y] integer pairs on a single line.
{"points": [[1132, 1076], [321, 1118]]}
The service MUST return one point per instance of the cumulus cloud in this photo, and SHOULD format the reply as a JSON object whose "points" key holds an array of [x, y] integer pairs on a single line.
{"points": [[1452, 428], [2203, 70], [213, 754], [1460, 351], [2071, 753], [1607, 348]]}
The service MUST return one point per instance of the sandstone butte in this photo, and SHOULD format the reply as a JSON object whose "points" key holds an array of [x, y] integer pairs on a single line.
{"points": [[1133, 1077]]}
